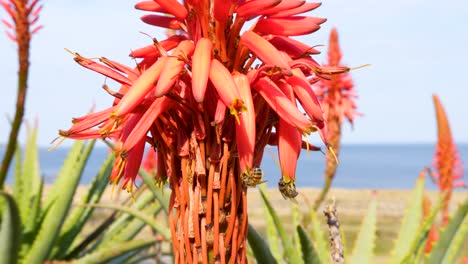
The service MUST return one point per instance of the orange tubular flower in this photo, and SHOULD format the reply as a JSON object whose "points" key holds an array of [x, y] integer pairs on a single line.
{"points": [[201, 68], [245, 129], [173, 67], [176, 100], [226, 87], [264, 50]]}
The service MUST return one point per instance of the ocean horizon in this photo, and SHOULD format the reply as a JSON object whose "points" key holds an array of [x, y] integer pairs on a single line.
{"points": [[362, 166]]}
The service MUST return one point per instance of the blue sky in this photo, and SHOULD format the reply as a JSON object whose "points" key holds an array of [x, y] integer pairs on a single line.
{"points": [[416, 48]]}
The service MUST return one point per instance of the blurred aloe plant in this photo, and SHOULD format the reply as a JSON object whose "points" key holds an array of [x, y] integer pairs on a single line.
{"points": [[301, 246], [37, 230]]}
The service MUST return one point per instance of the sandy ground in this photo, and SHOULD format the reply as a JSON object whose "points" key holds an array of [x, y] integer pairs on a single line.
{"points": [[348, 201]]}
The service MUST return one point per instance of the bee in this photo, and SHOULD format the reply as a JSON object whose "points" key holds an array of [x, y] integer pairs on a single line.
{"points": [[287, 189], [253, 178]]}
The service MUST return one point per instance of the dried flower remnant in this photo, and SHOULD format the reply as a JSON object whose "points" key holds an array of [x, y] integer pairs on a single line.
{"points": [[24, 15], [208, 99], [336, 95], [448, 167]]}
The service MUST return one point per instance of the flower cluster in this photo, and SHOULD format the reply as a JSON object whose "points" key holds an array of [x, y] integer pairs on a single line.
{"points": [[208, 99], [338, 91]]}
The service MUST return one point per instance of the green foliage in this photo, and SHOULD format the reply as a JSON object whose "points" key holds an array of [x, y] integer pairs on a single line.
{"points": [[260, 247], [271, 234], [291, 252], [447, 247], [364, 246], [318, 237], [10, 232], [309, 254], [34, 230], [409, 246], [297, 246], [410, 223]]}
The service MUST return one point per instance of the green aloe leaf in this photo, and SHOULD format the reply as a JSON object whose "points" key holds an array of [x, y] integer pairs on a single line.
{"points": [[451, 240], [123, 220], [410, 223], [33, 220], [140, 258], [318, 237], [10, 232], [290, 251], [18, 189], [309, 253], [105, 255], [136, 225], [295, 222], [271, 234], [163, 199], [365, 242], [416, 243], [59, 201], [259, 247], [80, 215], [79, 248], [164, 231], [28, 182]]}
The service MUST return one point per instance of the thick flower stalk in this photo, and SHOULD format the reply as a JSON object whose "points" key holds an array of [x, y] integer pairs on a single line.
{"points": [[208, 99], [448, 169], [24, 15], [337, 95]]}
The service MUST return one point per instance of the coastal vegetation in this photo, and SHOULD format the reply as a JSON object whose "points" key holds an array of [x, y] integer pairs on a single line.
{"points": [[186, 134]]}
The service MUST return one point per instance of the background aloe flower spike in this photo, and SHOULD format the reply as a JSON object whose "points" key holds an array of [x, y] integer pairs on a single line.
{"points": [[24, 15], [176, 100], [448, 167], [337, 96]]}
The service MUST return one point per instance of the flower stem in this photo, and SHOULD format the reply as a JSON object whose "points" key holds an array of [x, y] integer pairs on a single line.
{"points": [[23, 39]]}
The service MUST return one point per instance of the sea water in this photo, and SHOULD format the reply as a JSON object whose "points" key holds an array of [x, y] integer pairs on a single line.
{"points": [[371, 166]]}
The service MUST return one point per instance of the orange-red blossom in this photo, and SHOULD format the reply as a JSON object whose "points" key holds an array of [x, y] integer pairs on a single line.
{"points": [[176, 98]]}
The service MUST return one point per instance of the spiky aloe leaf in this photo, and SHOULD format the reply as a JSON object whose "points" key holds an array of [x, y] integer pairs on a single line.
{"points": [[158, 194], [411, 221], [35, 211], [309, 253], [29, 183], [295, 222], [140, 258], [18, 188], [136, 225], [122, 220], [318, 238], [75, 251], [135, 213], [450, 241], [10, 232], [365, 242], [59, 201], [105, 255], [259, 247], [80, 215], [271, 234], [290, 251], [416, 245]]}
